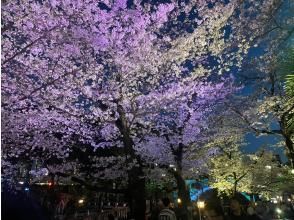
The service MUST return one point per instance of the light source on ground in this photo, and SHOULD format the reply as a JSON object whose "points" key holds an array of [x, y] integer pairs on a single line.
{"points": [[200, 204], [81, 201], [279, 211]]}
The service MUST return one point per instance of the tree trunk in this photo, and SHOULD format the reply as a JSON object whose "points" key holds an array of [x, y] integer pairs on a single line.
{"points": [[136, 180], [235, 184], [183, 194], [136, 193], [183, 191], [287, 136], [290, 149]]}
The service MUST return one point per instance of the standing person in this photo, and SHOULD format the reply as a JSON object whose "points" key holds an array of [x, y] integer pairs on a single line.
{"points": [[262, 211], [251, 212], [213, 212], [236, 212], [166, 213], [156, 210]]}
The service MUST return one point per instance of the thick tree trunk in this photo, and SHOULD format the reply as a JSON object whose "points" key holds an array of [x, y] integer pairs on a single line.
{"points": [[235, 188], [290, 149], [183, 194], [235, 184], [287, 134], [136, 180], [183, 191], [136, 193]]}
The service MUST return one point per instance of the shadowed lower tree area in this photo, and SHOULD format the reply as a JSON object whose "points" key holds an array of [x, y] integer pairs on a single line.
{"points": [[110, 96]]}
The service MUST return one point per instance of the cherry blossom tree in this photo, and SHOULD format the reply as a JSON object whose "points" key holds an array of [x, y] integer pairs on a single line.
{"points": [[267, 108], [95, 72], [177, 132]]}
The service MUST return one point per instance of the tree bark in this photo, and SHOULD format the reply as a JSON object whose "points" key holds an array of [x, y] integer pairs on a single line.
{"points": [[290, 148], [136, 180], [183, 194], [136, 193], [235, 184], [288, 141], [183, 191]]}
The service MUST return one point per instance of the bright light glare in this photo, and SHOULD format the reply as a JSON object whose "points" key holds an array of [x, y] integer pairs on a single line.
{"points": [[179, 200], [268, 167], [200, 204], [292, 171], [21, 182], [279, 211], [81, 201]]}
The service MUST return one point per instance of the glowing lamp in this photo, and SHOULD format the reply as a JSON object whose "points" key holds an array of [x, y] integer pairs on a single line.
{"points": [[81, 201], [279, 211], [201, 204], [179, 201]]}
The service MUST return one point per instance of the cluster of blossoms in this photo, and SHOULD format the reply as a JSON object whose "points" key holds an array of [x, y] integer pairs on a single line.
{"points": [[118, 73]]}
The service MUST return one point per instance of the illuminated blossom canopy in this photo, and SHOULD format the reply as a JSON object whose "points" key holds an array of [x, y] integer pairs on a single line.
{"points": [[109, 73], [69, 64]]}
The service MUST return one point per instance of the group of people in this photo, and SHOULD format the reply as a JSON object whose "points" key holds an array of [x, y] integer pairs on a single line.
{"points": [[212, 211]]}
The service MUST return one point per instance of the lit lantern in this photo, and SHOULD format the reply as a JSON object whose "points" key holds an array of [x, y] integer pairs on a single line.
{"points": [[200, 204], [81, 201]]}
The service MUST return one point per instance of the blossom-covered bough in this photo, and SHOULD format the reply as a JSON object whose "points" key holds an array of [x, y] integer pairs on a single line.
{"points": [[101, 73], [268, 106]]}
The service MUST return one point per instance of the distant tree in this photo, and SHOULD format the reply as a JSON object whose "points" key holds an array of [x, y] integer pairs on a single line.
{"points": [[232, 171], [229, 170]]}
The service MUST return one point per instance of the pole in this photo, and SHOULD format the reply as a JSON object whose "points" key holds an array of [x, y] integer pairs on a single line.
{"points": [[199, 213]]}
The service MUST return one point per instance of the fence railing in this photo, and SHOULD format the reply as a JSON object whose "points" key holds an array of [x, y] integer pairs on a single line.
{"points": [[119, 213]]}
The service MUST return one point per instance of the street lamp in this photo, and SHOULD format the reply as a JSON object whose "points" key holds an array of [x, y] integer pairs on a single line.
{"points": [[279, 211], [200, 205], [81, 201]]}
